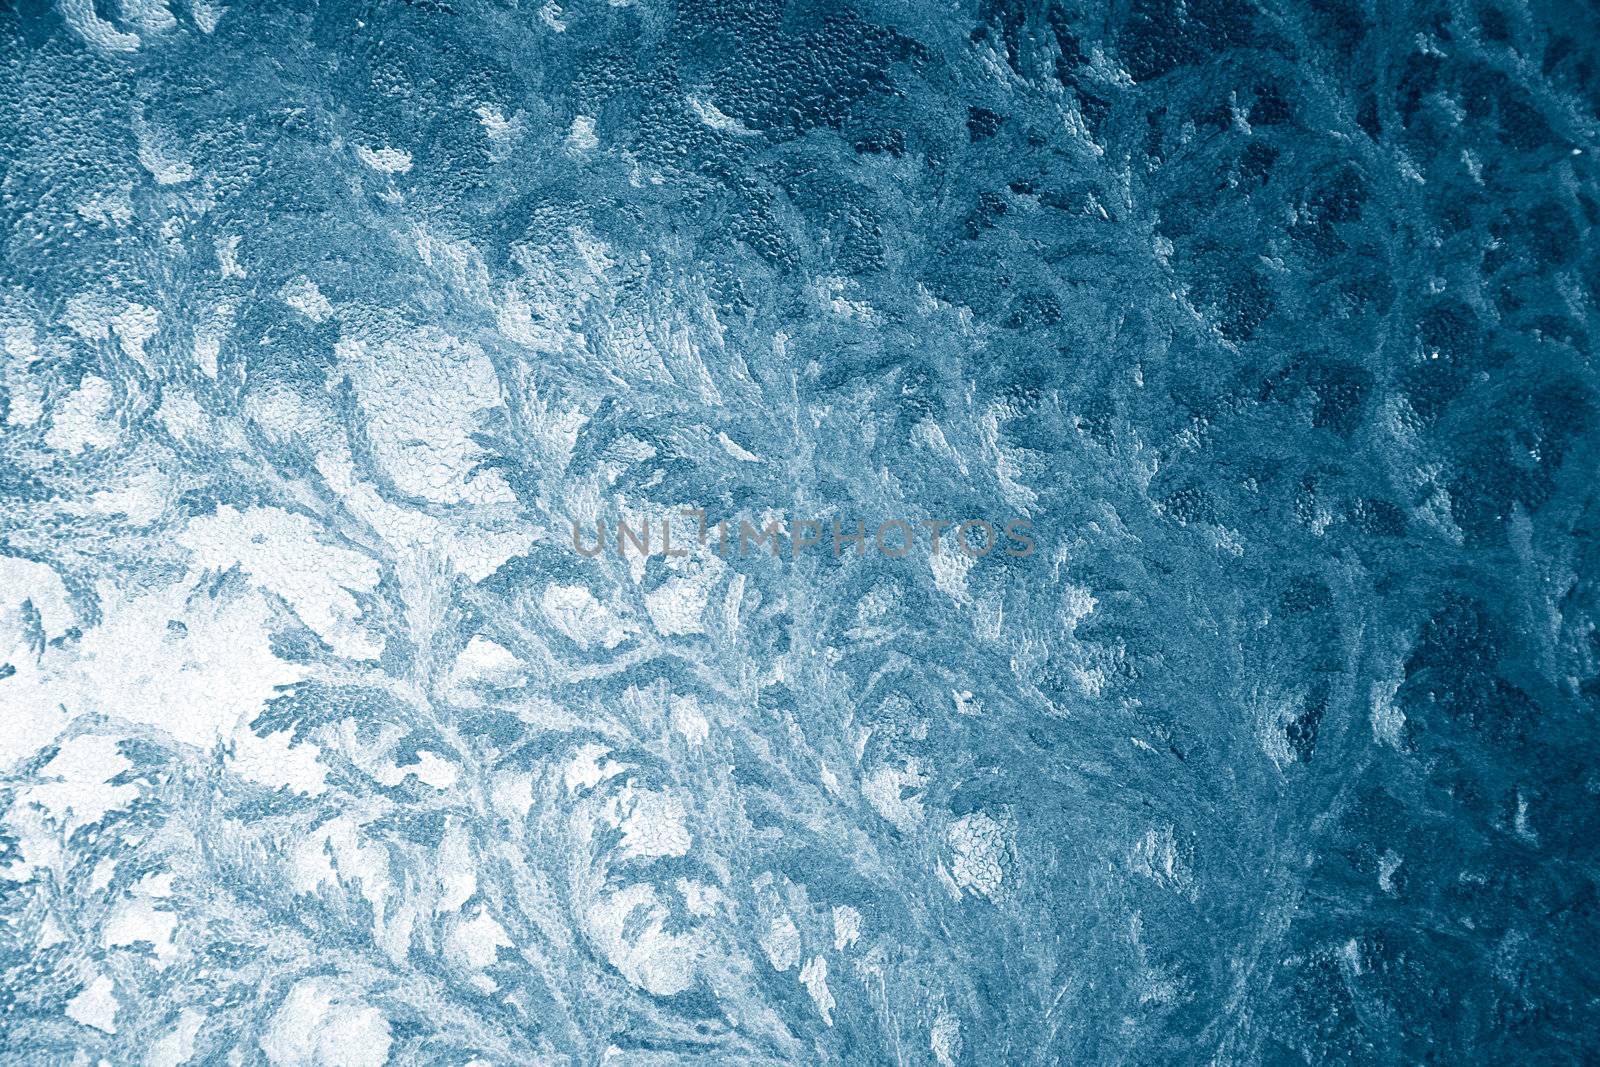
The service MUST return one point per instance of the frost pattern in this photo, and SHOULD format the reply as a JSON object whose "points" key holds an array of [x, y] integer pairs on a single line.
{"points": [[322, 324]]}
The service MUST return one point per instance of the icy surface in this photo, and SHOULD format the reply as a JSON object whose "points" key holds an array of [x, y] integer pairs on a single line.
{"points": [[323, 323]]}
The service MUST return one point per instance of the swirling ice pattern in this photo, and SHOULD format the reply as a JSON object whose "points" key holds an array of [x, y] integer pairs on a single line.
{"points": [[324, 323]]}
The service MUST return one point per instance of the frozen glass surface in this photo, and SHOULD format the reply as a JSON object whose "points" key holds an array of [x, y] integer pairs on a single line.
{"points": [[1239, 355]]}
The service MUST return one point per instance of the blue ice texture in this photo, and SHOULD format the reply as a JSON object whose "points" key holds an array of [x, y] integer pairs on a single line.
{"points": [[324, 325]]}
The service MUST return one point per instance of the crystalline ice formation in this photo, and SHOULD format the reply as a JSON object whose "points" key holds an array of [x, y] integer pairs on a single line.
{"points": [[1240, 357]]}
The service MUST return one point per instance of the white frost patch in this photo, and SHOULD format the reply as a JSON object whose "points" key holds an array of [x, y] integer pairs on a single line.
{"points": [[1523, 828], [96, 1006], [281, 551], [550, 15], [75, 785], [979, 853], [885, 791], [814, 976], [429, 770], [1275, 712], [208, 344], [155, 885], [157, 155], [575, 612], [196, 681], [929, 434], [318, 1026], [654, 960], [950, 570], [138, 919], [828, 291], [716, 118], [483, 662], [133, 327], [20, 341], [96, 32], [423, 391], [176, 659], [1388, 721], [33, 610], [275, 761], [846, 927], [228, 257], [303, 296], [385, 160], [734, 449], [676, 605], [581, 137], [102, 874], [418, 539], [108, 206], [177, 1046], [1157, 856], [703, 901], [988, 622], [206, 14], [475, 943], [143, 497], [457, 262], [1388, 864], [150, 16], [652, 824], [512, 795], [95, 317], [50, 933], [458, 876], [945, 1039], [585, 771], [689, 720], [1077, 604], [494, 121], [782, 943], [84, 419]]}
